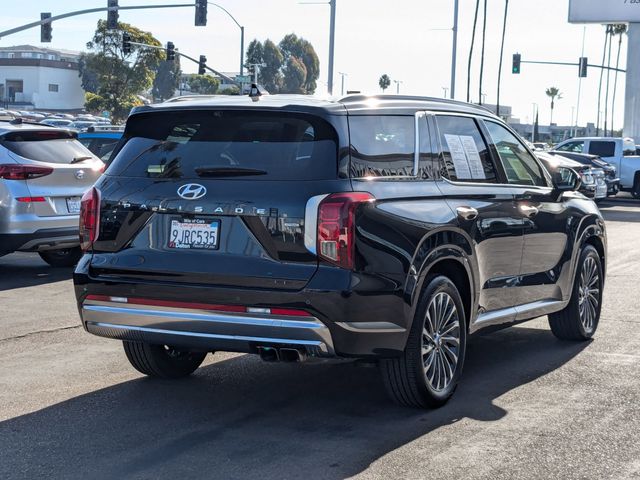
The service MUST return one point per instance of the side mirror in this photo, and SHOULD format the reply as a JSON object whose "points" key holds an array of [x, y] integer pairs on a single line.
{"points": [[566, 179]]}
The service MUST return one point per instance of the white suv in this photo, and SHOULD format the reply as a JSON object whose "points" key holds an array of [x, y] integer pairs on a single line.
{"points": [[44, 172]]}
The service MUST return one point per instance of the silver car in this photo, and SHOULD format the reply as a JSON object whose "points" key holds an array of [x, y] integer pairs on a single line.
{"points": [[44, 171]]}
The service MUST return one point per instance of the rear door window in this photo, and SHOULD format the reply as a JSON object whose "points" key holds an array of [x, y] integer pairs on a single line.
{"points": [[382, 145], [602, 149], [46, 146], [224, 144], [465, 154], [576, 147]]}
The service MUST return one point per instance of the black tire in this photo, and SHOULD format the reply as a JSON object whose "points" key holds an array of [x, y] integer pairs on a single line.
{"points": [[162, 361], [63, 257], [579, 319], [407, 377], [635, 191]]}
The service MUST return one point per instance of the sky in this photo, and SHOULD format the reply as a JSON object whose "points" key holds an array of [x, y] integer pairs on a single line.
{"points": [[410, 40]]}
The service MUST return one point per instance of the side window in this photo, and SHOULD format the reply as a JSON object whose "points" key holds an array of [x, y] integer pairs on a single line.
{"points": [[602, 149], [576, 147], [382, 145], [519, 165], [465, 153]]}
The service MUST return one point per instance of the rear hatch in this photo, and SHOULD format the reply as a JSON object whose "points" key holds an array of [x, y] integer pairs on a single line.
{"points": [[67, 168], [215, 197]]}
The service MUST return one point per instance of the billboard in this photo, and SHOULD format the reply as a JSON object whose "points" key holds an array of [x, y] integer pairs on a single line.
{"points": [[604, 11]]}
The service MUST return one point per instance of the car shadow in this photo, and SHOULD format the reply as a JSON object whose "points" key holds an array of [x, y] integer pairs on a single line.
{"points": [[611, 214], [242, 418], [28, 270]]}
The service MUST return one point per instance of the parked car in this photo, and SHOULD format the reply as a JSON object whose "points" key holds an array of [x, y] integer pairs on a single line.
{"points": [[619, 152], [80, 125], [56, 122], [592, 180], [101, 140], [540, 146], [384, 227], [610, 172], [44, 172]]}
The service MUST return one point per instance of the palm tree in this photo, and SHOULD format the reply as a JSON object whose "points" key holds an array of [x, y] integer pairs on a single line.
{"points": [[473, 39], [619, 30], [484, 36], [554, 94], [604, 57], [606, 97], [384, 82], [504, 31]]}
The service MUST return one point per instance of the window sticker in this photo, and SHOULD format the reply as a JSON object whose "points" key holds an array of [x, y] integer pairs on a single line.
{"points": [[458, 157], [473, 157]]}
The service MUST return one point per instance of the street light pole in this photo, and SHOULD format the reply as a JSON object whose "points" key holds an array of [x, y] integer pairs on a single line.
{"points": [[342, 85], [454, 50], [332, 35], [241, 34], [397, 82], [533, 122]]}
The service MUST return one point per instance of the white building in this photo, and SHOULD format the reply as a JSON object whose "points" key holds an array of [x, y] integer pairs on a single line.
{"points": [[40, 79]]}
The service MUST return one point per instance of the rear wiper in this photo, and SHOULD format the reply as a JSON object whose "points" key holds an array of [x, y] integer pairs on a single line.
{"points": [[80, 159], [227, 171]]}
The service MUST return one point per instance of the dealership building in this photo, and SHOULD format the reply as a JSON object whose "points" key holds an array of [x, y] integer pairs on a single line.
{"points": [[35, 78]]}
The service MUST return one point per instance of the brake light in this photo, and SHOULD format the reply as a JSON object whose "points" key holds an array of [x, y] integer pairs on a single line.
{"points": [[30, 199], [336, 235], [23, 172], [89, 218]]}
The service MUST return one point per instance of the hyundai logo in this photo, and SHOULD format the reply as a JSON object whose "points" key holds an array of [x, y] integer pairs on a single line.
{"points": [[80, 174], [192, 191]]}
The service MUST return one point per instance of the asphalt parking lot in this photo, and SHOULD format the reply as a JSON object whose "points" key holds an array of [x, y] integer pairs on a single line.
{"points": [[529, 406]]}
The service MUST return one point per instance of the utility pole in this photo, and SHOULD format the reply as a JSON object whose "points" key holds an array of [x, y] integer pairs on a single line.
{"points": [[454, 50], [397, 82], [256, 70], [445, 90], [533, 122], [332, 36]]}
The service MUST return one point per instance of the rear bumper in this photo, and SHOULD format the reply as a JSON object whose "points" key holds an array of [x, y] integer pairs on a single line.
{"points": [[204, 329], [40, 240]]}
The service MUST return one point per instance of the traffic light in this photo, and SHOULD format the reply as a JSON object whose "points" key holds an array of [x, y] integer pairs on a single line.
{"points": [[45, 28], [202, 64], [171, 52], [126, 43], [201, 13], [582, 67], [112, 16], [516, 63]]}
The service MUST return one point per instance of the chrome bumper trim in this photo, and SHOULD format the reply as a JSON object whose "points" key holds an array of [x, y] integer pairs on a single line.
{"points": [[217, 330]]}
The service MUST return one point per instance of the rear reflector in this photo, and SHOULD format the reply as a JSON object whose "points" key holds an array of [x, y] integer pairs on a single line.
{"points": [[23, 172], [30, 199], [200, 306]]}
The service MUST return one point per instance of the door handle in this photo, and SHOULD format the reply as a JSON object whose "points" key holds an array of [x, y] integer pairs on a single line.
{"points": [[528, 210], [467, 213]]}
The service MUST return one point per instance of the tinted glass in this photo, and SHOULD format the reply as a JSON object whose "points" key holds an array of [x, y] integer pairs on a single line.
{"points": [[382, 146], [47, 146], [602, 149], [519, 165], [576, 147], [221, 144], [465, 153]]}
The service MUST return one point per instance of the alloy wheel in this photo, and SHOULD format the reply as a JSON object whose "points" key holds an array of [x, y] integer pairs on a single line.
{"points": [[589, 294], [441, 341]]}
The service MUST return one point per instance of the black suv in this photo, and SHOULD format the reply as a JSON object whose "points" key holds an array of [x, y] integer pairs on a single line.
{"points": [[385, 227]]}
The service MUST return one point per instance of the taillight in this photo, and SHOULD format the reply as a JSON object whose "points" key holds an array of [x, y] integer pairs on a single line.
{"points": [[89, 218], [23, 172], [336, 235]]}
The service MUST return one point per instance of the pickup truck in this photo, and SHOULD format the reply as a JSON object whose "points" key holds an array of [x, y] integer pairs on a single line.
{"points": [[619, 152]]}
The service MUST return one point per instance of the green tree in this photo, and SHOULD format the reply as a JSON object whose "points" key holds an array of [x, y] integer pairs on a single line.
{"points": [[254, 56], [295, 75], [167, 79], [115, 76], [233, 90], [384, 82], [303, 52], [554, 94], [203, 84], [271, 73]]}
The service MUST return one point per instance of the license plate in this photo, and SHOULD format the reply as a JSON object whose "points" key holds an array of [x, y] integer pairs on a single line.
{"points": [[73, 204], [194, 233]]}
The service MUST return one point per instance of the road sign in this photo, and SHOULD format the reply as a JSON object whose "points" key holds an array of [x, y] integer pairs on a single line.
{"points": [[604, 11], [243, 78]]}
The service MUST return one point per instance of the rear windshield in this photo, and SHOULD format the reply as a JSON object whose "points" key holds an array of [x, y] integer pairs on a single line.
{"points": [[228, 144], [47, 146]]}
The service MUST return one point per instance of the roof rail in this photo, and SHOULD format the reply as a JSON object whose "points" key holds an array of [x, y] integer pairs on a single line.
{"points": [[362, 97]]}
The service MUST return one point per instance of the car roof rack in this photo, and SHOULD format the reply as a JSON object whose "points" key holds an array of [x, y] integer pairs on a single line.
{"points": [[105, 128]]}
